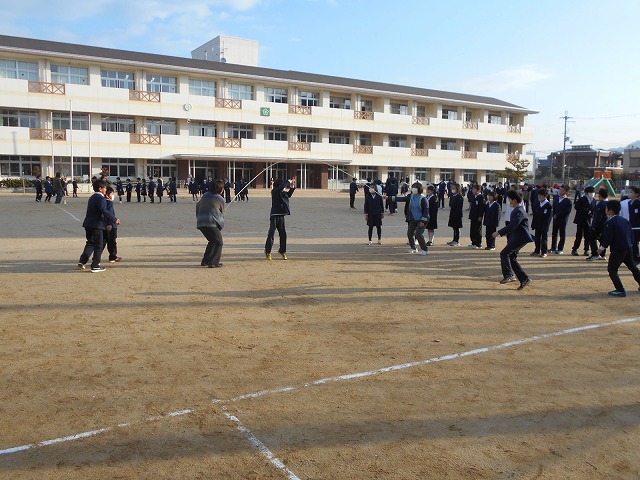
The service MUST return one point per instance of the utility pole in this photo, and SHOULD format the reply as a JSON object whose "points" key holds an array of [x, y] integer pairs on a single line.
{"points": [[564, 145]]}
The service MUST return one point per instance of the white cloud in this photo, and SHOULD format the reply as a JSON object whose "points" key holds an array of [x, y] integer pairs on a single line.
{"points": [[523, 77]]}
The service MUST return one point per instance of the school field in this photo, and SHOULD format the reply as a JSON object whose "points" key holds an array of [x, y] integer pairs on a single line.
{"points": [[346, 361]]}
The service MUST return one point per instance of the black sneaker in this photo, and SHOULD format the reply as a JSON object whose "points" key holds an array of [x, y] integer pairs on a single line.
{"points": [[507, 280], [524, 284], [97, 269], [575, 253]]}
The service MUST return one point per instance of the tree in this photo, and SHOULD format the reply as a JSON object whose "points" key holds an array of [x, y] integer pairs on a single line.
{"points": [[518, 173]]}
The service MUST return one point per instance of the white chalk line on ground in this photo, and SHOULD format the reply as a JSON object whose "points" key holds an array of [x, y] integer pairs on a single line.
{"points": [[68, 213], [248, 434], [262, 447]]}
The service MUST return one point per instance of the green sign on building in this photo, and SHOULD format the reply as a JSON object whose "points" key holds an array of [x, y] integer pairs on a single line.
{"points": [[265, 112]]}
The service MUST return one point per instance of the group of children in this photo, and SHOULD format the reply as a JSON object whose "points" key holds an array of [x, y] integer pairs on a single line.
{"points": [[154, 189], [601, 223]]}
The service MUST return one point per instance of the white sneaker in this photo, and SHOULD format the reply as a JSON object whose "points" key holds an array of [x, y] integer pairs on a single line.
{"points": [[423, 252], [379, 242], [413, 251], [453, 244], [369, 242], [475, 247]]}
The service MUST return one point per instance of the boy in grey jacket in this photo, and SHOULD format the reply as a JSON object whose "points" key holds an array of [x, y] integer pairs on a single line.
{"points": [[210, 221]]}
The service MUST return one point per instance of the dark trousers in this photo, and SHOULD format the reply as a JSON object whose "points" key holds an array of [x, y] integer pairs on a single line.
{"points": [[491, 242], [475, 232], [138, 196], [352, 200], [151, 197], [582, 230], [414, 229], [393, 206], [509, 262], [38, 196], [526, 205], [441, 200], [48, 197], [378, 230], [110, 241], [617, 258], [541, 238], [128, 196], [276, 223], [59, 195], [636, 245], [595, 235], [456, 234], [94, 246], [559, 229], [213, 252]]}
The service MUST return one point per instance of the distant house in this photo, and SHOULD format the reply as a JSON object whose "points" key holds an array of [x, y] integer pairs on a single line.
{"points": [[585, 156], [631, 161]]}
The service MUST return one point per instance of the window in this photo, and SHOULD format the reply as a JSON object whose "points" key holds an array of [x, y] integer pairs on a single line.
{"points": [[469, 176], [368, 173], [448, 144], [398, 141], [468, 116], [421, 111], [67, 74], [18, 166], [158, 83], [240, 130], [80, 166], [467, 146], [340, 102], [203, 88], [113, 79], [202, 129], [118, 124], [495, 118], [423, 174], [399, 109], [339, 137], [240, 92], [420, 143], [119, 167], [18, 70], [309, 99], [492, 177], [162, 127], [446, 175], [276, 133], [61, 121], [366, 106], [493, 147], [161, 168], [365, 139], [19, 118], [308, 135], [449, 113], [276, 95]]}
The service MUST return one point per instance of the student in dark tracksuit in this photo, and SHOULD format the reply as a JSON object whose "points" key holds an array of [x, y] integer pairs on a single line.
{"points": [[618, 237], [38, 189], [476, 213], [561, 210], [280, 195], [634, 220], [432, 224], [353, 189], [456, 205], [541, 221], [582, 220], [518, 235], [599, 218], [491, 220], [111, 230], [128, 188], [48, 189], [138, 189], [374, 212], [152, 189]]}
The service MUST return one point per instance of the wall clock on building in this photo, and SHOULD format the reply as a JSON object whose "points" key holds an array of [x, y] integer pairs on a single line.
{"points": [[187, 107]]}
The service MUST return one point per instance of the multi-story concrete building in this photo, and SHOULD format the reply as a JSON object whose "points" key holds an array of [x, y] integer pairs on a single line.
{"points": [[86, 110]]}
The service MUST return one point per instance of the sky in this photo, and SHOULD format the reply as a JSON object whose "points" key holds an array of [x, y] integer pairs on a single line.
{"points": [[551, 56]]}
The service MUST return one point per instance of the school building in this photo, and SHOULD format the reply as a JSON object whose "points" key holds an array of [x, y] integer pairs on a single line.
{"points": [[86, 110]]}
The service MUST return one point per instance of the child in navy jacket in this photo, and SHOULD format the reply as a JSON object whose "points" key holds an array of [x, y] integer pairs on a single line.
{"points": [[541, 221], [491, 220], [618, 237]]}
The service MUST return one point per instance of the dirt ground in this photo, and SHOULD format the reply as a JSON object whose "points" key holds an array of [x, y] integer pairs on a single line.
{"points": [[162, 353]]}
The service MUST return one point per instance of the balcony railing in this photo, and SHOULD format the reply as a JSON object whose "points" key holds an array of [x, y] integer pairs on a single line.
{"points": [[512, 157], [229, 142], [367, 149], [363, 115], [470, 125], [228, 103], [300, 146], [421, 120], [419, 152], [300, 109], [144, 96], [473, 155], [144, 139], [514, 129], [47, 134], [46, 87]]}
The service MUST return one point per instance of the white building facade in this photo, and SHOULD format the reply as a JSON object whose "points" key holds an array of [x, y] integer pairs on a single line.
{"points": [[86, 110]]}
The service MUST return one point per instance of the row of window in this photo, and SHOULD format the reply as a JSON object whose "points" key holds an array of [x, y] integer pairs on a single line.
{"points": [[61, 120], [235, 91]]}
